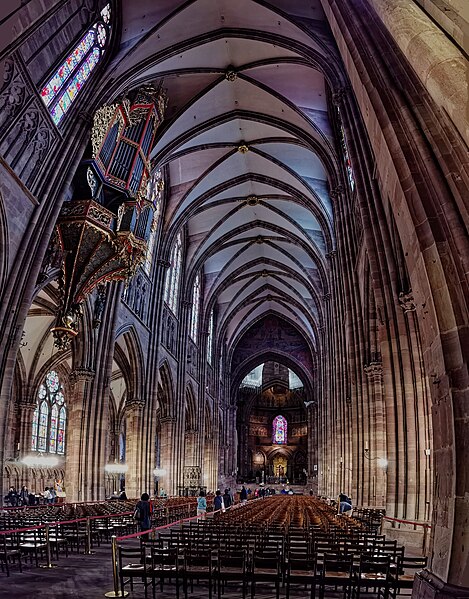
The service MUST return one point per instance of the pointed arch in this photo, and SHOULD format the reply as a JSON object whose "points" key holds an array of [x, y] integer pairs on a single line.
{"points": [[165, 390], [191, 409]]}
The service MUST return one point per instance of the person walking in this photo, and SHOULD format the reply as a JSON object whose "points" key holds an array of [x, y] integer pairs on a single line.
{"points": [[217, 502], [227, 498], [243, 496], [201, 505], [142, 513]]}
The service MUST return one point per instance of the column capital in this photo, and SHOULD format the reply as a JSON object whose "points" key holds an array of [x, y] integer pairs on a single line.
{"points": [[338, 95], [373, 369], [26, 405], [163, 263], [134, 404], [82, 374], [336, 192], [168, 419]]}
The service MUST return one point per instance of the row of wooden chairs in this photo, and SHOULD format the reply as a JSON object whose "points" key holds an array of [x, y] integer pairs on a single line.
{"points": [[353, 575]]}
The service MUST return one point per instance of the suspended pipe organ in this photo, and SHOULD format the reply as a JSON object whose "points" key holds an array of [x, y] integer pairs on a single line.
{"points": [[104, 230]]}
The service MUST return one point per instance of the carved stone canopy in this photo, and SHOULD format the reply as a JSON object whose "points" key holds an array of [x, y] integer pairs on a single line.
{"points": [[406, 301]]}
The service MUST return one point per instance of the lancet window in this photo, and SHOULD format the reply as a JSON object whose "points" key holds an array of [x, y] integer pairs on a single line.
{"points": [[50, 417], [154, 195], [64, 85], [279, 430], [195, 308], [171, 291], [348, 164], [210, 338]]}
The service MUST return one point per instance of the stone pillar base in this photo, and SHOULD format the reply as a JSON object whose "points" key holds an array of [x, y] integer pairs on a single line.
{"points": [[429, 586]]}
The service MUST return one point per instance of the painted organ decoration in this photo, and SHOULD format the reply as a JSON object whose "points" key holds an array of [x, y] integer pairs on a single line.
{"points": [[105, 229]]}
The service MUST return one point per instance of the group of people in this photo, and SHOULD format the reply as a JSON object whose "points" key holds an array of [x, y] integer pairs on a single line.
{"points": [[24, 497]]}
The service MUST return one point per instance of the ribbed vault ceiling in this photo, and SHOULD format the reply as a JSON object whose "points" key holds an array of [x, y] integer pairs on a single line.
{"points": [[243, 75]]}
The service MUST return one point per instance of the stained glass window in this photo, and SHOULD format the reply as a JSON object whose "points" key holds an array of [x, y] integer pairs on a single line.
{"points": [[279, 430], [154, 195], [195, 308], [49, 419], [64, 85], [171, 291], [210, 338]]}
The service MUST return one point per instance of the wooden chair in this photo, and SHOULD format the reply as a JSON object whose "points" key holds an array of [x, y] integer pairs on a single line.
{"points": [[337, 571], [402, 578], [266, 568], [301, 569], [165, 566], [198, 565], [373, 576], [131, 566], [33, 543], [9, 552], [232, 566]]}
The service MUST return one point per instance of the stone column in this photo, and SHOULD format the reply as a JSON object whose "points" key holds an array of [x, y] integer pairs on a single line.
{"points": [[26, 426], [168, 448], [134, 485], [77, 460], [374, 478]]}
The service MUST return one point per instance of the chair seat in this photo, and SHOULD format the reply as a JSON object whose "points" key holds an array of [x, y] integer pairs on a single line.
{"points": [[373, 576], [32, 545], [301, 573], [135, 568], [266, 571], [332, 574], [231, 570], [406, 577], [198, 569]]}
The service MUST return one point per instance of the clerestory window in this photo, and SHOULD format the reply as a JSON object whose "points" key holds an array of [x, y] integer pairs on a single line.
{"points": [[61, 90]]}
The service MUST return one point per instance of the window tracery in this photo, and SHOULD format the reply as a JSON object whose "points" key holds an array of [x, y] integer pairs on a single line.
{"points": [[279, 430], [50, 417], [195, 309], [64, 85], [171, 291]]}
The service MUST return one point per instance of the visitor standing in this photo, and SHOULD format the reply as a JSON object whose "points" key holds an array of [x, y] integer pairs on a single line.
{"points": [[24, 496], [243, 496], [142, 513], [12, 497], [227, 498], [217, 502], [201, 505]]}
